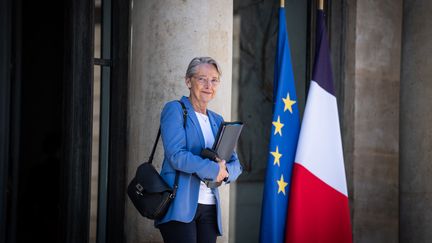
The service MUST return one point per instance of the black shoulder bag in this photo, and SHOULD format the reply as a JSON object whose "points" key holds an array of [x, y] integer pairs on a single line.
{"points": [[148, 191]]}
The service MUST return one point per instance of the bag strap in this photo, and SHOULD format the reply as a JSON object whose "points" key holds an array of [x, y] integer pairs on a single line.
{"points": [[150, 160], [156, 143], [184, 126]]}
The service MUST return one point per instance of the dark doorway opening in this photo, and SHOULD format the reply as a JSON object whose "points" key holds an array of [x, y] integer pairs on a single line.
{"points": [[44, 186], [46, 99], [39, 51]]}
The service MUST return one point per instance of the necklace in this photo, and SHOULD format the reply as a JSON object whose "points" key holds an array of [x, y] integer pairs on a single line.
{"points": [[204, 117]]}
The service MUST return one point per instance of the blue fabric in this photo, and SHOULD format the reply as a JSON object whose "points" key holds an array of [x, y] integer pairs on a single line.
{"points": [[283, 143], [181, 152], [322, 72]]}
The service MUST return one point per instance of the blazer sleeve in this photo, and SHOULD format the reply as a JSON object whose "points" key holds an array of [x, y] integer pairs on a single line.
{"points": [[234, 168], [175, 148]]}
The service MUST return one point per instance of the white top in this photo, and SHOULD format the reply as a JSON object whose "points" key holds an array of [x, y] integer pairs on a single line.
{"points": [[206, 195]]}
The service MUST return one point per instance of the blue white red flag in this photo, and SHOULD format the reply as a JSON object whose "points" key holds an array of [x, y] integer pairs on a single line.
{"points": [[318, 210]]}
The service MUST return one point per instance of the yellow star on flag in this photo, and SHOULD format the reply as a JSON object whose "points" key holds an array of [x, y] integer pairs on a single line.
{"points": [[278, 126], [288, 103], [282, 184], [276, 156]]}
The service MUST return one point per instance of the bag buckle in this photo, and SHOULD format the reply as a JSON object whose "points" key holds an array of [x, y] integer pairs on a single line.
{"points": [[139, 188]]}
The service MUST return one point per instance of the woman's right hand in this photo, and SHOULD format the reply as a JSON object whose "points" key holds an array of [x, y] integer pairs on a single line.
{"points": [[223, 173]]}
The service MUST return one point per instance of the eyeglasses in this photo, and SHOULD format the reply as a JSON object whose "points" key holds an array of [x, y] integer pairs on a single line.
{"points": [[203, 80]]}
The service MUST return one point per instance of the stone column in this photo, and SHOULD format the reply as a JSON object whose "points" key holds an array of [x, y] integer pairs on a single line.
{"points": [[165, 36], [416, 117], [371, 117]]}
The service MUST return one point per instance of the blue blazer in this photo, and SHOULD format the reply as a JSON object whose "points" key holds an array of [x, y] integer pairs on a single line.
{"points": [[181, 152]]}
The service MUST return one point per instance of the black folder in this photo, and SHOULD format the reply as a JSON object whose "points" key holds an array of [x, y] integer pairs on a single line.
{"points": [[224, 145], [226, 139]]}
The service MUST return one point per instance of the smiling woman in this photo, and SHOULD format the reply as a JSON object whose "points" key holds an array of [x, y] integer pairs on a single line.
{"points": [[195, 214], [203, 84]]}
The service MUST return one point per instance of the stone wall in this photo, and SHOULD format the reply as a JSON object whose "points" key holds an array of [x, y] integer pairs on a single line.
{"points": [[415, 124], [375, 120]]}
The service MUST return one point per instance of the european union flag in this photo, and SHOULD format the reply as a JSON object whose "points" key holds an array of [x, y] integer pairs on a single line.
{"points": [[283, 143]]}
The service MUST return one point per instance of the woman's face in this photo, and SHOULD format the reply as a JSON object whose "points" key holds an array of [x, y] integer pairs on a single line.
{"points": [[204, 83]]}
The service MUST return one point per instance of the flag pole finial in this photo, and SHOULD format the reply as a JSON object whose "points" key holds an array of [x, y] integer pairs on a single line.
{"points": [[321, 4], [282, 2]]}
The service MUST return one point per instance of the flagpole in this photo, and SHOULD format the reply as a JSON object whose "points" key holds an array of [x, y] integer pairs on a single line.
{"points": [[282, 2], [321, 4]]}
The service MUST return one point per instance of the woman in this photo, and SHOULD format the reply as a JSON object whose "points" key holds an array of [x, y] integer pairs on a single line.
{"points": [[195, 214]]}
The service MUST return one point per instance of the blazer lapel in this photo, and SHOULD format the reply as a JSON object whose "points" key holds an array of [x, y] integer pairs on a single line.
{"points": [[213, 123], [194, 119]]}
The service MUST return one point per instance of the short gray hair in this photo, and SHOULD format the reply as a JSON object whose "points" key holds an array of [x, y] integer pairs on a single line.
{"points": [[193, 65]]}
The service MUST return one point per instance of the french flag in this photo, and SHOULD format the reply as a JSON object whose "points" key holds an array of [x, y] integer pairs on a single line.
{"points": [[318, 210]]}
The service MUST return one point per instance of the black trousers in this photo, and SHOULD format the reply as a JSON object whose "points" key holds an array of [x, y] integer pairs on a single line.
{"points": [[202, 229]]}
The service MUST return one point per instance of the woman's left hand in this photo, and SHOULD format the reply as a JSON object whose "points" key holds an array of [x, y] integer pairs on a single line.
{"points": [[223, 173]]}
